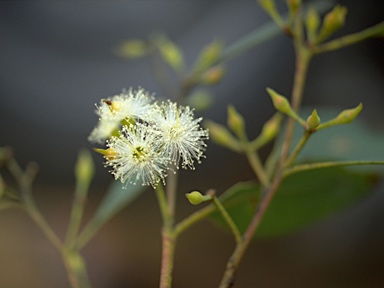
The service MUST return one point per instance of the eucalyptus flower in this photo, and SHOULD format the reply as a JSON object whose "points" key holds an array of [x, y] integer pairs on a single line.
{"points": [[135, 156], [117, 110], [179, 132]]}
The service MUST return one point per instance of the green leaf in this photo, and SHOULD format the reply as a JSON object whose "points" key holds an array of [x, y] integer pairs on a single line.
{"points": [[302, 199], [240, 201], [310, 196], [114, 201]]}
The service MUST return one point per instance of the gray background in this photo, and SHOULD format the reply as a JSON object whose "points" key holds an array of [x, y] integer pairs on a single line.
{"points": [[57, 61]]}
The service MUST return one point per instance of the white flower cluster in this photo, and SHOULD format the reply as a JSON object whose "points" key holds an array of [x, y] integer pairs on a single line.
{"points": [[144, 137]]}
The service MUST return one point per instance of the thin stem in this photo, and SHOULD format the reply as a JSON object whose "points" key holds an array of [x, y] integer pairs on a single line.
{"points": [[303, 57], [255, 162], [227, 218], [228, 279], [76, 213], [76, 277], [168, 239], [193, 219], [163, 204], [322, 165], [171, 189], [351, 39], [300, 145]]}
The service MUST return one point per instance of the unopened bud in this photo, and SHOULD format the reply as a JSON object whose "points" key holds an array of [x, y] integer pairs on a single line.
{"points": [[279, 102], [271, 127], [213, 75], [293, 5], [171, 53], [349, 115], [269, 131], [134, 48], [209, 55], [235, 121], [313, 121], [221, 136], [344, 117], [312, 23], [196, 197], [109, 153], [332, 22], [84, 168]]}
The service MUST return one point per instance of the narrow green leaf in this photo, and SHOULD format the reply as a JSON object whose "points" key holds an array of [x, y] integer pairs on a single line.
{"points": [[114, 201]]}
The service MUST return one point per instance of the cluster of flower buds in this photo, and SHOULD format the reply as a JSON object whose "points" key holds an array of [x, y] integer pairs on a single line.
{"points": [[145, 138]]}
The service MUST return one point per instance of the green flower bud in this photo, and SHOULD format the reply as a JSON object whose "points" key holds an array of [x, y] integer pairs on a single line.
{"points": [[109, 153], [332, 22], [209, 55], [170, 52], [349, 115], [196, 197], [313, 121], [269, 131], [280, 102], [312, 22], [221, 136], [84, 168], [293, 5], [235, 121], [133, 48], [213, 75]]}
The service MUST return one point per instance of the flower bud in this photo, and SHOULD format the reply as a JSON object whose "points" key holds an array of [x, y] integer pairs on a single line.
{"points": [[293, 5], [269, 131], [109, 153], [209, 55], [312, 22], [213, 75], [221, 136], [332, 22], [235, 121], [279, 102], [171, 53], [313, 121], [84, 168], [133, 48], [196, 197], [349, 115]]}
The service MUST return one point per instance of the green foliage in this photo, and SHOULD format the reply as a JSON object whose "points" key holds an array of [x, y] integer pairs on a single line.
{"points": [[310, 196], [301, 200], [114, 201]]}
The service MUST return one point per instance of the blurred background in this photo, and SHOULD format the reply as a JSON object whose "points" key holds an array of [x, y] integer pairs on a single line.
{"points": [[58, 60]]}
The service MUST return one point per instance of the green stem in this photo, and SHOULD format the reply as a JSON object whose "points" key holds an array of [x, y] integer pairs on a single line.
{"points": [[193, 219], [76, 277], [237, 255], [321, 165], [257, 167], [298, 148], [168, 240], [76, 213], [303, 57], [351, 39], [227, 218]]}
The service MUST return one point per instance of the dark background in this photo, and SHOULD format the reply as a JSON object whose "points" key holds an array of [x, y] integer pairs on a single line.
{"points": [[57, 61]]}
